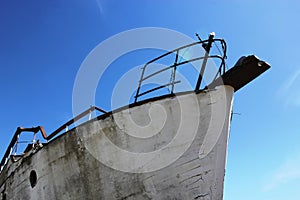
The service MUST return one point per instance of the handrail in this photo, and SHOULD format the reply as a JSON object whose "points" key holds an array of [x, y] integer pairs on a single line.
{"points": [[13, 142], [35, 130], [206, 44], [81, 115], [156, 88]]}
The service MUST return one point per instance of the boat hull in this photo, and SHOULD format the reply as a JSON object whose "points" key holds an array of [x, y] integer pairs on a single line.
{"points": [[179, 154]]}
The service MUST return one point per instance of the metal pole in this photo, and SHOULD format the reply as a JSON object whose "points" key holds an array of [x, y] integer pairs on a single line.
{"points": [[174, 71], [207, 48], [140, 83]]}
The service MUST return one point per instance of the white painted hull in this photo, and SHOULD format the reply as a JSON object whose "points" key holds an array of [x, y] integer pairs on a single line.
{"points": [[83, 164]]}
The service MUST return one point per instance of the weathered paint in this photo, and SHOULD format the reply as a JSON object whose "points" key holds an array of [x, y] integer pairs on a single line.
{"points": [[67, 168]]}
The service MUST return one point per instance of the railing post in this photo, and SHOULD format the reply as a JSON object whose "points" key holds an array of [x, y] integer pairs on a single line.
{"points": [[207, 49], [140, 83], [174, 71], [16, 145], [90, 113], [34, 137]]}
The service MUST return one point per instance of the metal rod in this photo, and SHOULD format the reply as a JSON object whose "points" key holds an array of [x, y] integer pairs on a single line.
{"points": [[100, 110], [140, 83], [207, 49], [159, 87], [157, 72], [174, 71]]}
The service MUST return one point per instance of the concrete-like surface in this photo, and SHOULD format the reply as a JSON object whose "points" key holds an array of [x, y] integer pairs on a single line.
{"points": [[183, 158]]}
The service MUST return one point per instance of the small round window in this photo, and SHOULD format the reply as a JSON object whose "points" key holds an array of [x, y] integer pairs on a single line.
{"points": [[33, 178]]}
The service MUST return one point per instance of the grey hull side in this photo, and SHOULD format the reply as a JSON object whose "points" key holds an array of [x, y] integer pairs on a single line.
{"points": [[84, 163]]}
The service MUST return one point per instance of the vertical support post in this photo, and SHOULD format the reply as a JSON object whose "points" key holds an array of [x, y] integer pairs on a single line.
{"points": [[34, 139], [174, 71], [140, 83], [16, 145], [207, 48], [90, 112]]}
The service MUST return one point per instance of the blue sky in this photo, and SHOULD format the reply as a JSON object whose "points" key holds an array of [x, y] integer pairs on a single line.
{"points": [[43, 43]]}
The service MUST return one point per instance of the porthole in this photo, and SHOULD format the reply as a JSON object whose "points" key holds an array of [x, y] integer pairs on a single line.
{"points": [[33, 178]]}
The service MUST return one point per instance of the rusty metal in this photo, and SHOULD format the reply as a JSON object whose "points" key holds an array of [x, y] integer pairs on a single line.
{"points": [[14, 140], [41, 129]]}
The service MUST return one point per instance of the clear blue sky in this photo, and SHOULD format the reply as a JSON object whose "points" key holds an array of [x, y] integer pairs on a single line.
{"points": [[43, 43]]}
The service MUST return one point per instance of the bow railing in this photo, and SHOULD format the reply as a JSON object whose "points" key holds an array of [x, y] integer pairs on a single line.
{"points": [[181, 60]]}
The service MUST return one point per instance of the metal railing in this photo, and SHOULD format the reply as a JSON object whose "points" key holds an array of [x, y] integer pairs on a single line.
{"points": [[14, 142], [206, 44]]}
